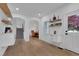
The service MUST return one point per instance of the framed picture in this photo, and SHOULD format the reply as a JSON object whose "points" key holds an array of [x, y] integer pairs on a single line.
{"points": [[73, 22]]}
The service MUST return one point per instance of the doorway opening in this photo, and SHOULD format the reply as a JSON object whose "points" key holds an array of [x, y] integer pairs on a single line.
{"points": [[19, 24], [34, 29]]}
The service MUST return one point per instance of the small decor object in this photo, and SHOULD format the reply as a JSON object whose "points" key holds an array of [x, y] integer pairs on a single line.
{"points": [[54, 32], [54, 18]]}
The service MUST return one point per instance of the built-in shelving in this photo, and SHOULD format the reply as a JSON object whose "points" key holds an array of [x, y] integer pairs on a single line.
{"points": [[55, 23]]}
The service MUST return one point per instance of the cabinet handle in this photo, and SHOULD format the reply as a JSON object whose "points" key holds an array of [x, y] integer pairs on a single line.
{"points": [[66, 33]]}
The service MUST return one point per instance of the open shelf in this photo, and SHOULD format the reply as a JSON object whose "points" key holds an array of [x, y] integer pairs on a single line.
{"points": [[55, 20], [55, 24]]}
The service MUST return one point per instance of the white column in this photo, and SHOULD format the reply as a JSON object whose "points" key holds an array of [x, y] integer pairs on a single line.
{"points": [[26, 31]]}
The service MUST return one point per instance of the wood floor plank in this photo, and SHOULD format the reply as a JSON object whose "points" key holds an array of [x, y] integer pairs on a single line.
{"points": [[36, 47]]}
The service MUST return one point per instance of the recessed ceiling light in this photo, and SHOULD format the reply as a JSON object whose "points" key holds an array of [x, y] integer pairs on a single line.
{"points": [[17, 9]]}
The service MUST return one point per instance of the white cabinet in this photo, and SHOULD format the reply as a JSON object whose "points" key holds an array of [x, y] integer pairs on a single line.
{"points": [[55, 31], [68, 41], [75, 42], [71, 42]]}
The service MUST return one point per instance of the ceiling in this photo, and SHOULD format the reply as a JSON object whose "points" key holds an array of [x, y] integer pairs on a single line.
{"points": [[34, 9]]}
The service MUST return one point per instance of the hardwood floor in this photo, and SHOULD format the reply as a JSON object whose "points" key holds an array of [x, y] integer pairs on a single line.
{"points": [[36, 47]]}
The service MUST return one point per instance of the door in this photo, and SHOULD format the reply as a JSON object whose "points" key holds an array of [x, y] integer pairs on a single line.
{"points": [[19, 33]]}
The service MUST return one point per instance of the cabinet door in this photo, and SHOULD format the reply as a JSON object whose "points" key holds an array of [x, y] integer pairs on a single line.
{"points": [[75, 42], [68, 42], [71, 42]]}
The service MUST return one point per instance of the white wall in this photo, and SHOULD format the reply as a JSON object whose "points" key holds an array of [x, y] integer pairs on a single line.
{"points": [[69, 41], [18, 22], [64, 12], [34, 25], [42, 30]]}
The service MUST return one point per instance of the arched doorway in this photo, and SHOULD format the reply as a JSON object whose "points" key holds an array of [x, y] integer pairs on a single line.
{"points": [[19, 24], [34, 28], [24, 25]]}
